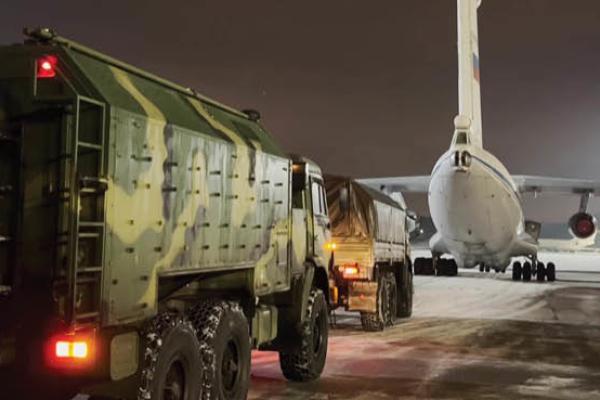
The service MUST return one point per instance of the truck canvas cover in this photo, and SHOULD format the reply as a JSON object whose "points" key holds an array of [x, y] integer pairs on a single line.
{"points": [[358, 212]]}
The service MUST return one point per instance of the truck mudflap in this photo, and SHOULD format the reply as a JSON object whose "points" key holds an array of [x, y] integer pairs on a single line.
{"points": [[362, 296]]}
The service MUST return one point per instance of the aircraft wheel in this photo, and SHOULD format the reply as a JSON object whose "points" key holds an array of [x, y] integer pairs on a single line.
{"points": [[517, 271], [453, 268], [527, 271], [551, 272], [541, 272], [481, 267], [441, 268], [420, 266], [429, 268]]}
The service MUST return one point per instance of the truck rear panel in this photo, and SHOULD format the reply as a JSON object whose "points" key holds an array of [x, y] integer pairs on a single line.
{"points": [[369, 235]]}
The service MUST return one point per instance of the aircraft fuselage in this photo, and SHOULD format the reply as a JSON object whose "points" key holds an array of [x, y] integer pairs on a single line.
{"points": [[476, 209]]}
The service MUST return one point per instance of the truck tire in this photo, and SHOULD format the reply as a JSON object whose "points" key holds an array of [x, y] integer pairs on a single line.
{"points": [[405, 294], [172, 360], [306, 362], [387, 305], [222, 330]]}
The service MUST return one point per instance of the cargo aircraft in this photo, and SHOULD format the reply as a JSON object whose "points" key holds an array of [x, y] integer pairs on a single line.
{"points": [[475, 203]]}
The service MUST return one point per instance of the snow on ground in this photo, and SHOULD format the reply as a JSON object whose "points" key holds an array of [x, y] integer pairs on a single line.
{"points": [[475, 336]]}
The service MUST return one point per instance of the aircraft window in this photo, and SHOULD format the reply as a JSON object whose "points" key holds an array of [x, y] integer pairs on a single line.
{"points": [[462, 138]]}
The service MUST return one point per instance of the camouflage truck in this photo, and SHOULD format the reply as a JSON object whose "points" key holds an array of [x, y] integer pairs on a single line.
{"points": [[149, 234], [370, 239]]}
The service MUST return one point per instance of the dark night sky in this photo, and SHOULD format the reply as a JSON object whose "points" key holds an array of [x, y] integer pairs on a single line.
{"points": [[367, 88]]}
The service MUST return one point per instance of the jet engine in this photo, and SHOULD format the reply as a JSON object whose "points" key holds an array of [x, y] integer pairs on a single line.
{"points": [[583, 225]]}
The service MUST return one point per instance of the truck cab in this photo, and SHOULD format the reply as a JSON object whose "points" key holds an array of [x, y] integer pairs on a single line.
{"points": [[310, 213]]}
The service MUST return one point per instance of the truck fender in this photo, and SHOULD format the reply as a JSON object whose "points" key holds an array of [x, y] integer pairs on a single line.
{"points": [[307, 285], [315, 277]]}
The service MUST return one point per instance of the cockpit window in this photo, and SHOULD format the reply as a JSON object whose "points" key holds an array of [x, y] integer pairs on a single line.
{"points": [[462, 138]]}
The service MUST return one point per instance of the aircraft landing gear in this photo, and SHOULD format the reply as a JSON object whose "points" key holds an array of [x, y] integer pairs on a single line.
{"points": [[435, 266], [517, 271], [424, 266], [533, 268], [445, 267], [527, 271], [551, 272], [540, 273]]}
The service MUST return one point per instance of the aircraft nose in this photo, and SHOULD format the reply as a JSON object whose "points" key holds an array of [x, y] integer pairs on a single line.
{"points": [[455, 207]]}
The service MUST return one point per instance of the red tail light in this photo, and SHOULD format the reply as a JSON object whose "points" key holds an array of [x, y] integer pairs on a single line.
{"points": [[351, 271], [46, 67], [71, 351]]}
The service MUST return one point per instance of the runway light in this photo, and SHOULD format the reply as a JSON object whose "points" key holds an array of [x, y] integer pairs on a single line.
{"points": [[46, 67]]}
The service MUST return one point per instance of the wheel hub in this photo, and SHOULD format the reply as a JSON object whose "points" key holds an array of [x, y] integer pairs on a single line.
{"points": [[175, 383], [317, 335], [230, 367]]}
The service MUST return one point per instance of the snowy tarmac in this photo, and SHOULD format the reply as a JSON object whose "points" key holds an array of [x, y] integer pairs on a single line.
{"points": [[475, 336]]}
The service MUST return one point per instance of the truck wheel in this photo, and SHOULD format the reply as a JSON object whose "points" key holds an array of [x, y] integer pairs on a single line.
{"points": [[222, 330], [405, 294], [306, 362], [387, 301], [172, 364]]}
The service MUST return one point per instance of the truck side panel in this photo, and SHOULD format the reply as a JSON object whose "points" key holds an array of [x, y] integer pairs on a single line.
{"points": [[180, 202]]}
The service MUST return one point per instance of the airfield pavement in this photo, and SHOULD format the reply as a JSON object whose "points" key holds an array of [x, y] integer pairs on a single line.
{"points": [[475, 336]]}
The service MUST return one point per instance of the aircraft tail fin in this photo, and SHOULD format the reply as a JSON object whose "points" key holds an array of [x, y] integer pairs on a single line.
{"points": [[469, 90]]}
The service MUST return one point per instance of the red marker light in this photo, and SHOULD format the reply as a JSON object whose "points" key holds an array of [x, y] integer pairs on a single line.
{"points": [[71, 351], [350, 271], [62, 349], [46, 67]]}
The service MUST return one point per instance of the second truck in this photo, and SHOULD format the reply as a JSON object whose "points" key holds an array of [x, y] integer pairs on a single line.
{"points": [[370, 240]]}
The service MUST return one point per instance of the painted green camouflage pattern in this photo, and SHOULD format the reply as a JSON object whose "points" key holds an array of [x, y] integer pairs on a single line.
{"points": [[193, 187]]}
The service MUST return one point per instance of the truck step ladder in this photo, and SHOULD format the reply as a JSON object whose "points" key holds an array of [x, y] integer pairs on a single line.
{"points": [[86, 188]]}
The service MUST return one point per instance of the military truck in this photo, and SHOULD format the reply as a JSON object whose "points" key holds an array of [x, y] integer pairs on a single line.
{"points": [[370, 240], [148, 233]]}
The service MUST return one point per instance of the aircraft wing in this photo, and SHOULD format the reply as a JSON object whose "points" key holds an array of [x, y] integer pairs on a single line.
{"points": [[541, 184], [404, 184]]}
